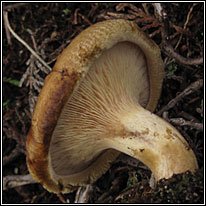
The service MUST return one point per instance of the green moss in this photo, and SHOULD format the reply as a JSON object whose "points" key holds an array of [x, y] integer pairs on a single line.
{"points": [[172, 68], [132, 180]]}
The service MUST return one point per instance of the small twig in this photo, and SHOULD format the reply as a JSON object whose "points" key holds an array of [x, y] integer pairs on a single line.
{"points": [[6, 29], [33, 40], [165, 116], [183, 122], [12, 181], [75, 16], [166, 46], [110, 193], [85, 19], [169, 50], [121, 7], [188, 116], [25, 44], [93, 9], [154, 33], [23, 129], [83, 194], [20, 142], [13, 6], [152, 25], [185, 24], [173, 76], [201, 110], [190, 89], [12, 156], [120, 15], [61, 198], [160, 11], [144, 5], [124, 194]]}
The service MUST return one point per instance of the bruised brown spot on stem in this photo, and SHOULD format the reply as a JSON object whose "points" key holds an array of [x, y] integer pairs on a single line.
{"points": [[136, 134], [145, 132], [156, 134], [187, 146], [135, 152], [169, 134]]}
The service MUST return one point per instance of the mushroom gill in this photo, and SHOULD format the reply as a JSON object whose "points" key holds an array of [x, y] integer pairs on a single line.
{"points": [[107, 112], [115, 82]]}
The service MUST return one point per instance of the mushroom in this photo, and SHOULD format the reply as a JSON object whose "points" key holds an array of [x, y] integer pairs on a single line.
{"points": [[96, 103]]}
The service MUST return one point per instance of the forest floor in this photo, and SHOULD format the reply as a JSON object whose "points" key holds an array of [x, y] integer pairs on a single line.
{"points": [[48, 28]]}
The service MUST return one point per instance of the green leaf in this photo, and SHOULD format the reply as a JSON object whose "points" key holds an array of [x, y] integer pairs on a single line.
{"points": [[66, 11], [6, 105], [11, 81]]}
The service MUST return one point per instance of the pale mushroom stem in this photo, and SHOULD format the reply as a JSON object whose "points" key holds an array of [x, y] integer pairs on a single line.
{"points": [[155, 142]]}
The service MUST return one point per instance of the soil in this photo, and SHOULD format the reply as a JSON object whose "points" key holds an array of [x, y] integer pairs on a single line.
{"points": [[48, 28]]}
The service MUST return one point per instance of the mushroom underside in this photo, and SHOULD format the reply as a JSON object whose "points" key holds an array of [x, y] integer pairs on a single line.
{"points": [[116, 81], [107, 114]]}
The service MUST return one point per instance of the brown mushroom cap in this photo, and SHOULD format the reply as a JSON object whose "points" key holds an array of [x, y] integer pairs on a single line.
{"points": [[91, 105]]}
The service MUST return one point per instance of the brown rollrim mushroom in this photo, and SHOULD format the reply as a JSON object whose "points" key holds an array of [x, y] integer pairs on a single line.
{"points": [[96, 103]]}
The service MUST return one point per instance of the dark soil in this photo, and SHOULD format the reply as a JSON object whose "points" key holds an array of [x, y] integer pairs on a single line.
{"points": [[50, 27]]}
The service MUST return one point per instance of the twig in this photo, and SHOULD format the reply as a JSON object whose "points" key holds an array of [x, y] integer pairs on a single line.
{"points": [[160, 11], [12, 181], [110, 193], [188, 116], [125, 193], [83, 194], [85, 19], [6, 29], [185, 24], [166, 46], [154, 33], [75, 16], [165, 116], [121, 7], [93, 9], [169, 50], [33, 40], [20, 142], [23, 128], [190, 89], [13, 6], [25, 44], [120, 15], [201, 109], [12, 156], [183, 122], [173, 76], [61, 198]]}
